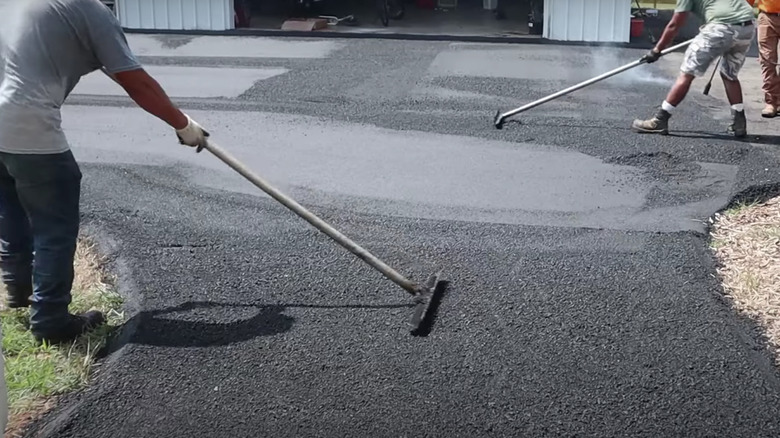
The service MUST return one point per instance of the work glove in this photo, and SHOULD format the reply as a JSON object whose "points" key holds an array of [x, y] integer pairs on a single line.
{"points": [[651, 56], [192, 135]]}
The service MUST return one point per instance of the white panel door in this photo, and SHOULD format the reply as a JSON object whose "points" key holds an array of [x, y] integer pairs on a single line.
{"points": [[176, 14], [587, 20]]}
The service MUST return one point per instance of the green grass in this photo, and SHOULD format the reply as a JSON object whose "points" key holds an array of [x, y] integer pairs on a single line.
{"points": [[35, 373], [771, 233], [717, 243], [740, 207]]}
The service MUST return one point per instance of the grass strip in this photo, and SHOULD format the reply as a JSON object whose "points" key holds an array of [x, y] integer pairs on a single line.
{"points": [[746, 244], [35, 374]]}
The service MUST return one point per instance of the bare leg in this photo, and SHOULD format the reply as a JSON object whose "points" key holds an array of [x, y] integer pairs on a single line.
{"points": [[659, 124], [738, 125], [733, 90], [679, 89]]}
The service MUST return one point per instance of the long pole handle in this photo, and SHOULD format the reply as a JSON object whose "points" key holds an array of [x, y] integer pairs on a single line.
{"points": [[709, 84], [588, 82], [334, 234]]}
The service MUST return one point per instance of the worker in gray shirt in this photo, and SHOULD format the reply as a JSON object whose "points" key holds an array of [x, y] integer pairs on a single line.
{"points": [[46, 47]]}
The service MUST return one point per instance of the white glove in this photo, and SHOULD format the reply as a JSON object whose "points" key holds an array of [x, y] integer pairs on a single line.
{"points": [[193, 134]]}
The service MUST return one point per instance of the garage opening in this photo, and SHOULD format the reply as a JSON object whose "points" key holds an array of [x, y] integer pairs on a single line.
{"points": [[440, 17]]}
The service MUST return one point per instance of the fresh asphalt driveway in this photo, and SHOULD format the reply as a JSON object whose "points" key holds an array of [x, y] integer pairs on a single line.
{"points": [[582, 301]]}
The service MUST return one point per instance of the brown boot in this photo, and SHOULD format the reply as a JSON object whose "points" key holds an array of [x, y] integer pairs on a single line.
{"points": [[658, 124], [738, 126], [769, 111]]}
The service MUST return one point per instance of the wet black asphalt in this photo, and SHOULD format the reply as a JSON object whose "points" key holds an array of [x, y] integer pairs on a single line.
{"points": [[247, 322]]}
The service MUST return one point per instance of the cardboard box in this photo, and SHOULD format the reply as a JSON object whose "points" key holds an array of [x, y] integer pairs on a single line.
{"points": [[306, 25]]}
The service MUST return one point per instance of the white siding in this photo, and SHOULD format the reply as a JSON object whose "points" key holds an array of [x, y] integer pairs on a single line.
{"points": [[587, 20], [176, 14]]}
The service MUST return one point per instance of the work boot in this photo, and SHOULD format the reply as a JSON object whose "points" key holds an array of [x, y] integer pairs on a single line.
{"points": [[75, 326], [659, 124], [738, 126], [18, 296], [769, 111]]}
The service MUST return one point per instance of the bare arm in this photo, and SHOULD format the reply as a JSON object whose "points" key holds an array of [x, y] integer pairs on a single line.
{"points": [[109, 45], [148, 94], [677, 21]]}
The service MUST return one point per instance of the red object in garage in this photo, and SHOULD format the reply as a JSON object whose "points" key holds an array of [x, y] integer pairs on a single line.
{"points": [[242, 16], [426, 4], [637, 27]]}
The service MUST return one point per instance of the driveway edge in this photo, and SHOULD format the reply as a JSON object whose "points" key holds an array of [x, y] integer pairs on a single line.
{"points": [[322, 34]]}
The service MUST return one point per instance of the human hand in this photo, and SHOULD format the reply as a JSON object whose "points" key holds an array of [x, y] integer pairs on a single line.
{"points": [[651, 56], [192, 135]]}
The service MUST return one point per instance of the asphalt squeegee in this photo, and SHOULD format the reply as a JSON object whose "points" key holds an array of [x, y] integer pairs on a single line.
{"points": [[500, 117], [427, 297]]}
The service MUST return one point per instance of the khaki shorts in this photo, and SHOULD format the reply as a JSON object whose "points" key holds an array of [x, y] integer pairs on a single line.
{"points": [[714, 40]]}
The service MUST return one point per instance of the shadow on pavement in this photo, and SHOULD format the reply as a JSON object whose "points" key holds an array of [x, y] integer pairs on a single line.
{"points": [[537, 124], [153, 328], [157, 329], [771, 140]]}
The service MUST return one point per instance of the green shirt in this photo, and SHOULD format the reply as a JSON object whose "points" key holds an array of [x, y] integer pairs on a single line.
{"points": [[718, 11]]}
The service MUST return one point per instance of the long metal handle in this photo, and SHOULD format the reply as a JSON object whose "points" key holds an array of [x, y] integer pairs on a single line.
{"points": [[353, 247], [709, 84], [588, 82]]}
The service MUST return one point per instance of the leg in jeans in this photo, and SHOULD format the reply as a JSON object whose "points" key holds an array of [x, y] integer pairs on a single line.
{"points": [[768, 38], [49, 188], [16, 243]]}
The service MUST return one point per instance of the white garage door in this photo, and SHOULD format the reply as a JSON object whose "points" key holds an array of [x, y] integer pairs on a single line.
{"points": [[587, 20], [176, 14]]}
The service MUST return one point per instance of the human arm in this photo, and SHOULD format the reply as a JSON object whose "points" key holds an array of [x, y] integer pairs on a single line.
{"points": [[670, 32], [756, 5], [150, 96], [111, 50]]}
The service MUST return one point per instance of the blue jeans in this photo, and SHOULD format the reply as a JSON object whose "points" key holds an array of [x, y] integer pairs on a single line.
{"points": [[39, 214]]}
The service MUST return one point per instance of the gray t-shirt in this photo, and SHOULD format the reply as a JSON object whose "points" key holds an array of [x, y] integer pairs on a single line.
{"points": [[46, 46]]}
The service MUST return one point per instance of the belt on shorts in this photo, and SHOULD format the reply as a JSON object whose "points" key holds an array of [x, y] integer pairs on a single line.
{"points": [[744, 23]]}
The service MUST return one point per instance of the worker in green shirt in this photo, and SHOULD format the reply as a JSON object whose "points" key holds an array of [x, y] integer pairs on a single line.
{"points": [[728, 31]]}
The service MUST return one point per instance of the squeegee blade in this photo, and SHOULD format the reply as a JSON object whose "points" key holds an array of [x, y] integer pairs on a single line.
{"points": [[498, 121], [427, 303]]}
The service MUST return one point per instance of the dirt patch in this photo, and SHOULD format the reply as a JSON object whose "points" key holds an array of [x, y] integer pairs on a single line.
{"points": [[746, 244]]}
